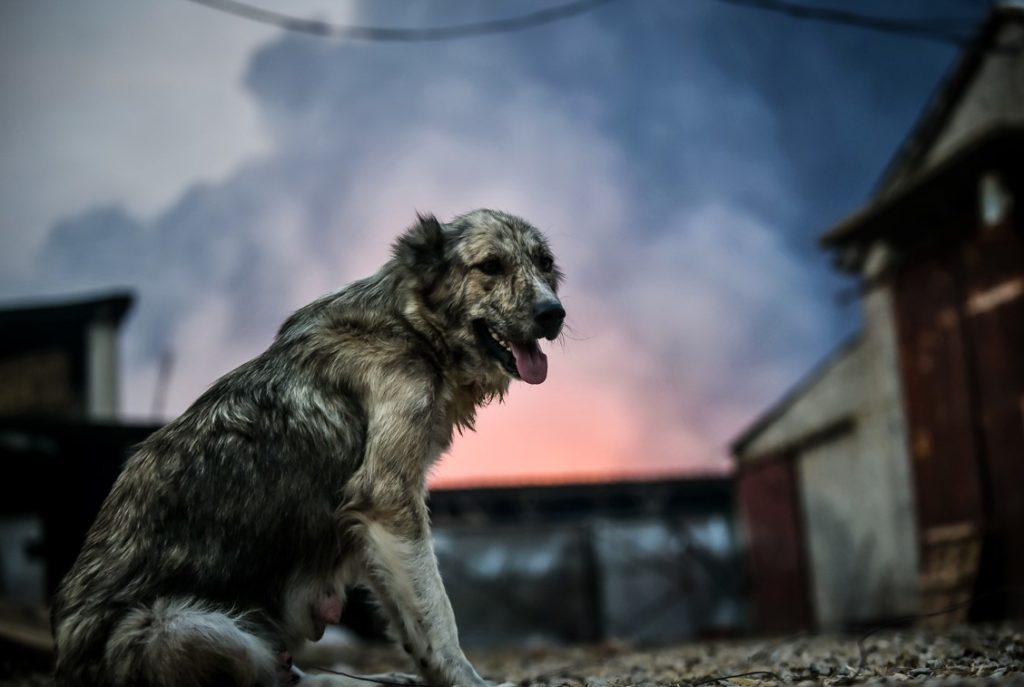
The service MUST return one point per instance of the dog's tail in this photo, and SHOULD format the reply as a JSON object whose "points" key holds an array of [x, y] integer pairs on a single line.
{"points": [[173, 643]]}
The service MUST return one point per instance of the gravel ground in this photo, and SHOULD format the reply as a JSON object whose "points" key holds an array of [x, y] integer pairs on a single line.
{"points": [[974, 656], [962, 656]]}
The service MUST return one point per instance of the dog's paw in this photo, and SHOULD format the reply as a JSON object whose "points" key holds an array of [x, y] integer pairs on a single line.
{"points": [[287, 673], [397, 678], [494, 683]]}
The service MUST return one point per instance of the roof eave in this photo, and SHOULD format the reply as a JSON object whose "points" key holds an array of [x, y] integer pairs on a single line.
{"points": [[943, 100], [1000, 149], [111, 306]]}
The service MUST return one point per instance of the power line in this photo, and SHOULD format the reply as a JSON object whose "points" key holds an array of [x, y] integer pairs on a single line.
{"points": [[395, 35], [946, 30], [928, 31]]}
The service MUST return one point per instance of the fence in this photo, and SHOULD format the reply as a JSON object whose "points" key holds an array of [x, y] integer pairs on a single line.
{"points": [[645, 581]]}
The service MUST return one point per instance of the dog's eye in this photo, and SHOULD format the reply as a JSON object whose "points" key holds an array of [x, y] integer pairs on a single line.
{"points": [[490, 266], [546, 263]]}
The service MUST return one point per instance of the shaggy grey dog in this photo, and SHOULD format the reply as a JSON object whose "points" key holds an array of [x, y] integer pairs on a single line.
{"points": [[233, 532]]}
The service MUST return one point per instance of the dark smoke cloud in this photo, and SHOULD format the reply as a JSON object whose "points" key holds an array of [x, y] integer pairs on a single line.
{"points": [[682, 156]]}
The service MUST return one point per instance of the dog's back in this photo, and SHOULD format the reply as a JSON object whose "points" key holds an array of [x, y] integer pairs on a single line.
{"points": [[183, 577]]}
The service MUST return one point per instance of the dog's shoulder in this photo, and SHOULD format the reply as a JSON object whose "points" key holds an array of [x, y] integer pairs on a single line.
{"points": [[361, 337]]}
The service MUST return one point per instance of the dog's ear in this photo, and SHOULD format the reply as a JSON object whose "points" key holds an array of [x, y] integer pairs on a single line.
{"points": [[421, 250]]}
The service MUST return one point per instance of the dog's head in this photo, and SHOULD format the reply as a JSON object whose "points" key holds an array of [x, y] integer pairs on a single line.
{"points": [[491, 278]]}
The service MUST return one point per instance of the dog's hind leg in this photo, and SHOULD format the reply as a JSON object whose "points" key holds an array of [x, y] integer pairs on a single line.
{"points": [[184, 642]]}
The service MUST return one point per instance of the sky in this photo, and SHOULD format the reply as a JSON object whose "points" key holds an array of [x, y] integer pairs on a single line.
{"points": [[681, 155]]}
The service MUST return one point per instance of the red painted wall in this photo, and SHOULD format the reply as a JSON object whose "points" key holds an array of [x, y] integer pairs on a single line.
{"points": [[960, 322], [770, 511]]}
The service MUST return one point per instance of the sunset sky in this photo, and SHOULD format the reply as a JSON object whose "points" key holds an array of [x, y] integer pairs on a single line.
{"points": [[682, 155]]}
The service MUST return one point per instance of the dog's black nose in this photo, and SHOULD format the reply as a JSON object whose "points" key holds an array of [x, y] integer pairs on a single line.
{"points": [[548, 316]]}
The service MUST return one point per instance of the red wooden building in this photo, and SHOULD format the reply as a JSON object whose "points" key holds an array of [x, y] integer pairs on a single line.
{"points": [[912, 435]]}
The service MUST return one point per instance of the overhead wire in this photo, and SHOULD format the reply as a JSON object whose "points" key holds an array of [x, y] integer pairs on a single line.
{"points": [[952, 31], [942, 30], [934, 30], [324, 29]]}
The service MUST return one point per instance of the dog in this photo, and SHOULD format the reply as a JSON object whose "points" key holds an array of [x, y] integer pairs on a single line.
{"points": [[233, 532]]}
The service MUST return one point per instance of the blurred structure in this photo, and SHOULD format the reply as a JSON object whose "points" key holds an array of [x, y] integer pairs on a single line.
{"points": [[60, 360], [645, 562], [60, 445], [890, 479]]}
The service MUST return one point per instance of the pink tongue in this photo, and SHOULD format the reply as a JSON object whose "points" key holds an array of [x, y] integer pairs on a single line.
{"points": [[531, 362]]}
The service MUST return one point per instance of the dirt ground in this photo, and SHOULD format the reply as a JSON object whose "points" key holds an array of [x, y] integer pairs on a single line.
{"points": [[989, 655], [964, 656]]}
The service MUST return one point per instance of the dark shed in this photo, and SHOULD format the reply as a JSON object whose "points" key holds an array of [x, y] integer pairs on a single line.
{"points": [[931, 402]]}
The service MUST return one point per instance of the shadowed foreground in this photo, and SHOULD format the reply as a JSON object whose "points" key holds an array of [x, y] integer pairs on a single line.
{"points": [[961, 656], [986, 655]]}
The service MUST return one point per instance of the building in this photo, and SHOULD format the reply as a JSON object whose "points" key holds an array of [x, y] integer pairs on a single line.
{"points": [[889, 479], [60, 359], [60, 443]]}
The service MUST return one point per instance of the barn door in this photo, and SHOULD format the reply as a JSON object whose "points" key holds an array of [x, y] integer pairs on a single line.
{"points": [[960, 323], [770, 510], [993, 269], [936, 389]]}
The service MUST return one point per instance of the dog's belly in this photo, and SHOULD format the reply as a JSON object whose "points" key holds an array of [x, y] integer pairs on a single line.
{"points": [[309, 608], [313, 603], [326, 608]]}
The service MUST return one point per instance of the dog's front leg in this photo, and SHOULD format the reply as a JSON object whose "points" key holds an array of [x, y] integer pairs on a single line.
{"points": [[403, 573]]}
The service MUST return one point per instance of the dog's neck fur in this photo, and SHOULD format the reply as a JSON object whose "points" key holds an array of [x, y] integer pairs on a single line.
{"points": [[387, 295], [472, 380]]}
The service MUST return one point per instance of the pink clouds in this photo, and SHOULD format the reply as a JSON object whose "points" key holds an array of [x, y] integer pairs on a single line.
{"points": [[581, 424]]}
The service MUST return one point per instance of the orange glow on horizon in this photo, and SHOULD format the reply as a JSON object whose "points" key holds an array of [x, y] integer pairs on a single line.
{"points": [[573, 428], [574, 477]]}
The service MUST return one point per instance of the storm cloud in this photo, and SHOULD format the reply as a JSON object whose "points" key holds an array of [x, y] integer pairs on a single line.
{"points": [[681, 157]]}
